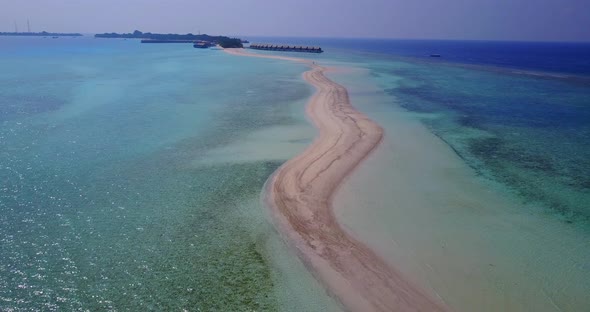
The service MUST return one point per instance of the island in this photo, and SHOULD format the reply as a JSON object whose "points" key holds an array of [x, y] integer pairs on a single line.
{"points": [[40, 34], [223, 41]]}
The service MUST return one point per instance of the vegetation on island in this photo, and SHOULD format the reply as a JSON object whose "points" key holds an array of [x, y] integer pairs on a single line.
{"points": [[226, 42], [40, 34], [223, 41]]}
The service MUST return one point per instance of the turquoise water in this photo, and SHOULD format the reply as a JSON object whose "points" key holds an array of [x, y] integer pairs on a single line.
{"points": [[531, 134], [478, 191], [109, 199], [518, 113], [131, 173]]}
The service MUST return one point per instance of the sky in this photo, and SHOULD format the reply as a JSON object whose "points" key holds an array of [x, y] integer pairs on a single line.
{"points": [[537, 20]]}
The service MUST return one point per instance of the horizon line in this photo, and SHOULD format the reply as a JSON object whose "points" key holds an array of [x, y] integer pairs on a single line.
{"points": [[343, 37]]}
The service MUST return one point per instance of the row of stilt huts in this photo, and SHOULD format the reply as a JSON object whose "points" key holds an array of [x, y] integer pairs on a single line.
{"points": [[282, 47]]}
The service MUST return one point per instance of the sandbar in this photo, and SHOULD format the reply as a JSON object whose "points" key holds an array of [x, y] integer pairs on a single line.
{"points": [[300, 192]]}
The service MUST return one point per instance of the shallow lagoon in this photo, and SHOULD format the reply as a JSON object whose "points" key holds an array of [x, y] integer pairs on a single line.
{"points": [[123, 188]]}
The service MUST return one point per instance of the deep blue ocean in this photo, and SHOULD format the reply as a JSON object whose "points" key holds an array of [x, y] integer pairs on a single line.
{"points": [[568, 58]]}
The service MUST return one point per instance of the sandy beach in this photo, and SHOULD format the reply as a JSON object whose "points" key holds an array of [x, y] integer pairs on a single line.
{"points": [[300, 198]]}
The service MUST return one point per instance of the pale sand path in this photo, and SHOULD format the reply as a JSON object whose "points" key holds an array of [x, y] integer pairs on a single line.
{"points": [[300, 195]]}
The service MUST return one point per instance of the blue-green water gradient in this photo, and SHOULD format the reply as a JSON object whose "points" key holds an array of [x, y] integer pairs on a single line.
{"points": [[105, 200]]}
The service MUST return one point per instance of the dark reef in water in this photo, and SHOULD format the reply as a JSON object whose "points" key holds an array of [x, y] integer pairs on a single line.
{"points": [[529, 146]]}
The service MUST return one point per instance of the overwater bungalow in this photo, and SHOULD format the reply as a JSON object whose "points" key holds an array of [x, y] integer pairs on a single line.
{"points": [[288, 48]]}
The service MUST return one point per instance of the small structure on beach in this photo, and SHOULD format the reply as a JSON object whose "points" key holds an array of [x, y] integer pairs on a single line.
{"points": [[286, 48]]}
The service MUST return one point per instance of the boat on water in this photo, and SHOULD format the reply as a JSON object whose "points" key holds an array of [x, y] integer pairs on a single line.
{"points": [[434, 55], [201, 44]]}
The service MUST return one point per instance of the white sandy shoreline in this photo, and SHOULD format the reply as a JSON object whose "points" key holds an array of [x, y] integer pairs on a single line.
{"points": [[300, 198]]}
